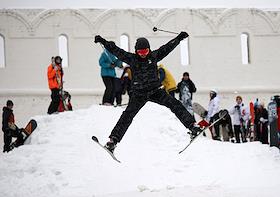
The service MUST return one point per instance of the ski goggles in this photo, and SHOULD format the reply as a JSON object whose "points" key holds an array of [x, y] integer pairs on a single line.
{"points": [[143, 51]]}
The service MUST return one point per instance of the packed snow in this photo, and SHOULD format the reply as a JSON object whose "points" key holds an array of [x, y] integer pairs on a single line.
{"points": [[60, 160]]}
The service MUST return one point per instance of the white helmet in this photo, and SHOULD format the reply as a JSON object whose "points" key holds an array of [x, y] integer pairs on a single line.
{"points": [[214, 91]]}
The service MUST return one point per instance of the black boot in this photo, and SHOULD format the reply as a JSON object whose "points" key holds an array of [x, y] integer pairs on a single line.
{"points": [[111, 145], [194, 130]]}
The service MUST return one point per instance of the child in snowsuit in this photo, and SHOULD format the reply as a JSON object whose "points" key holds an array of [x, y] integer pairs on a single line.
{"points": [[145, 85], [126, 80], [9, 128]]}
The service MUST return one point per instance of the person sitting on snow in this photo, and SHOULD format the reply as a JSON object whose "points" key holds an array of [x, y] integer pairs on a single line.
{"points": [[145, 85], [9, 128]]}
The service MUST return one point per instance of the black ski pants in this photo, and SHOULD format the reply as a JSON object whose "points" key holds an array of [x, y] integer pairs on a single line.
{"points": [[8, 135], [137, 101], [118, 91], [108, 96], [55, 96], [239, 130]]}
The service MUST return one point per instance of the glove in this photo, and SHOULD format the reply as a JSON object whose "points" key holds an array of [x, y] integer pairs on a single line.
{"points": [[98, 38], [12, 126], [262, 120], [183, 35]]}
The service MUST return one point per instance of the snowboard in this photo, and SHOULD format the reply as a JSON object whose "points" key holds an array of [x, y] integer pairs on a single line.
{"points": [[222, 114], [26, 132], [95, 139], [199, 110]]}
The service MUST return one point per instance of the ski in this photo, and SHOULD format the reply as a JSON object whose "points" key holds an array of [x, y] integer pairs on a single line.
{"points": [[121, 105], [221, 116], [95, 139]]}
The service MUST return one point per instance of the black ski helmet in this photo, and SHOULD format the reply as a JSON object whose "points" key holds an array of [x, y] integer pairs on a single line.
{"points": [[142, 43], [58, 60]]}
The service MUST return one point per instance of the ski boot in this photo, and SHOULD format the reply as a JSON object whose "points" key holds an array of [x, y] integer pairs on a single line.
{"points": [[194, 130], [111, 145]]}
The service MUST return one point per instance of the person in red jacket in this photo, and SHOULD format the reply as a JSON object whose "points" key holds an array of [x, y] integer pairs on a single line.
{"points": [[55, 74]]}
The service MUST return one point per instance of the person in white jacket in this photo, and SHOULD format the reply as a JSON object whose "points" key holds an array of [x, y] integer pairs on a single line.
{"points": [[240, 115], [213, 112]]}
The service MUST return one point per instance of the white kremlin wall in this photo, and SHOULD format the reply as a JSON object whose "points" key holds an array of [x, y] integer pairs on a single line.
{"points": [[215, 59]]}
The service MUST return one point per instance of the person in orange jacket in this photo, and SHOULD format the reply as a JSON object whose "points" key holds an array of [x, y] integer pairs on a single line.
{"points": [[55, 74]]}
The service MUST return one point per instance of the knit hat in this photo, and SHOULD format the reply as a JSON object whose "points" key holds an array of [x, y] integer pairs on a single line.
{"points": [[10, 103], [142, 43]]}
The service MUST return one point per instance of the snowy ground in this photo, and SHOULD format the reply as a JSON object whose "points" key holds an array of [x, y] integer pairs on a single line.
{"points": [[60, 160]]}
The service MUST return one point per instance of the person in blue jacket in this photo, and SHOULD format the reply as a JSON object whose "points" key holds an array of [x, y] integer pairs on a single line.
{"points": [[108, 62]]}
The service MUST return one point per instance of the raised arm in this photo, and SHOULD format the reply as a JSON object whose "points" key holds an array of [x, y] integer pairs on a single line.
{"points": [[114, 49], [164, 50]]}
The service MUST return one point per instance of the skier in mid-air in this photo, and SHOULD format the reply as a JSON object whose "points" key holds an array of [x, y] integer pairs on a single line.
{"points": [[145, 85]]}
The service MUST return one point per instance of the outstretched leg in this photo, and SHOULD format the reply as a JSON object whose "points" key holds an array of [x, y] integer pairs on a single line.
{"points": [[135, 103]]}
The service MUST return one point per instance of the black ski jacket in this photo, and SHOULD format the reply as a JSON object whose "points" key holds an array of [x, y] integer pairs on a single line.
{"points": [[145, 78], [6, 116]]}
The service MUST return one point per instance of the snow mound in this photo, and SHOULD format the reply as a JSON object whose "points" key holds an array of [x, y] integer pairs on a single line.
{"points": [[60, 159]]}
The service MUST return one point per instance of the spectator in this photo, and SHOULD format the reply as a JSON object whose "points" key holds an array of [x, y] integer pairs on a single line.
{"points": [[213, 113], [240, 114], [118, 86], [167, 80], [186, 88], [9, 128], [55, 75], [261, 122], [108, 62], [226, 126], [126, 80]]}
